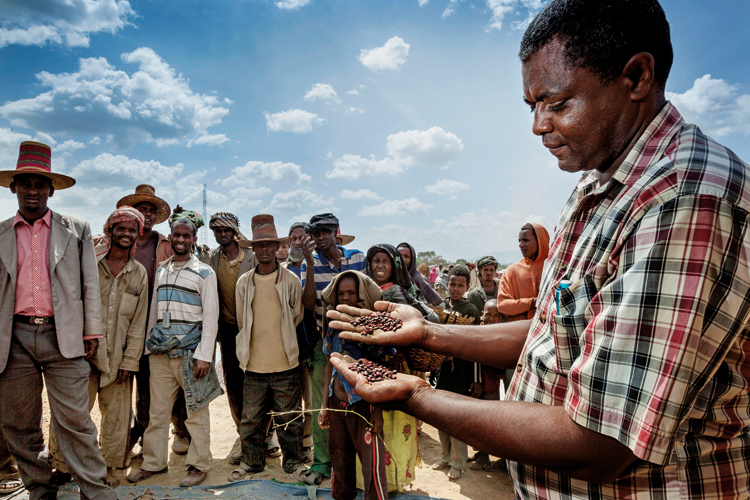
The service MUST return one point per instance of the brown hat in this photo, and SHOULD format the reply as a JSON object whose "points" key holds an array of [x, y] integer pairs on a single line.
{"points": [[345, 238], [144, 192], [264, 229], [35, 158]]}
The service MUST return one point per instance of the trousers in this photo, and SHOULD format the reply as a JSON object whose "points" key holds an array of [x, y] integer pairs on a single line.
{"points": [[166, 382], [116, 408], [234, 377], [143, 405], [348, 438], [454, 452], [321, 458], [35, 361], [280, 392]]}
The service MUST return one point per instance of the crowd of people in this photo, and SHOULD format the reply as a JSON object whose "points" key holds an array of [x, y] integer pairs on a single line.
{"points": [[152, 308], [622, 342]]}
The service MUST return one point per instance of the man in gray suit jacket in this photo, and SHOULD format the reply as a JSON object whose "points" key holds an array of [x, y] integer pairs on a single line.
{"points": [[230, 261], [50, 324]]}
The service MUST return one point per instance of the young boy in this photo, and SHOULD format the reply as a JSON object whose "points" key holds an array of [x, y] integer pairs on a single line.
{"points": [[457, 375], [349, 434]]}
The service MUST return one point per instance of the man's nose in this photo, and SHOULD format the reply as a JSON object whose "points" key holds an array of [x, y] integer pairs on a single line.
{"points": [[542, 123]]}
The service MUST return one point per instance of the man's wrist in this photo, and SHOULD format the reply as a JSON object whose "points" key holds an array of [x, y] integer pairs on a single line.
{"points": [[416, 402]]}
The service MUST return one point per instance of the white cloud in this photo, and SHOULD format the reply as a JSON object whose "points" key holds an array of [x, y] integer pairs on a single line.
{"points": [[422, 3], [361, 194], [409, 206], [253, 172], [447, 186], [324, 92], [352, 167], [67, 147], [10, 140], [392, 55], [353, 92], [95, 141], [152, 105], [431, 148], [112, 170], [300, 200], [292, 120], [351, 111], [68, 22], [450, 9], [502, 8], [715, 106], [292, 4]]}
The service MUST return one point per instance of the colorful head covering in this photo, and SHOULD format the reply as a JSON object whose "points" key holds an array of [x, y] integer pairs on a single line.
{"points": [[295, 226], [225, 219], [181, 213], [122, 214], [400, 274], [36, 158]]}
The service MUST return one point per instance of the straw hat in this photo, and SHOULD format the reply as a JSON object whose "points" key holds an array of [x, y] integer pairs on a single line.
{"points": [[264, 229], [144, 192], [345, 238], [35, 158]]}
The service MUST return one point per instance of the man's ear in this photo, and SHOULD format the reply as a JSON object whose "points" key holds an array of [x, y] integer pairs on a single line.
{"points": [[639, 73], [12, 187], [195, 239], [51, 191]]}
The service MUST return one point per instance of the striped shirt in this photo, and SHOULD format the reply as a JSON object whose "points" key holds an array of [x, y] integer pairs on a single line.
{"points": [[650, 345], [190, 293], [325, 271]]}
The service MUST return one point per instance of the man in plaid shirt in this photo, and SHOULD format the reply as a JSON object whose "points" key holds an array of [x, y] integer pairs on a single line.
{"points": [[637, 387]]}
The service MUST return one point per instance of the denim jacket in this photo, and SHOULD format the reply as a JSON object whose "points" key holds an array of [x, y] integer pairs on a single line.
{"points": [[198, 393]]}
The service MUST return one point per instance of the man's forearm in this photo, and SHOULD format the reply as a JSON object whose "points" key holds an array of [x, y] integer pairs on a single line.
{"points": [[308, 293], [498, 345], [528, 433]]}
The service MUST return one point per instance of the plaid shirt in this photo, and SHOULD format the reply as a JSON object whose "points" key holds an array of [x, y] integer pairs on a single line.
{"points": [[650, 345]]}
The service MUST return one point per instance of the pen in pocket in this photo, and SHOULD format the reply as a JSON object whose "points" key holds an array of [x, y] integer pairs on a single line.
{"points": [[562, 286]]}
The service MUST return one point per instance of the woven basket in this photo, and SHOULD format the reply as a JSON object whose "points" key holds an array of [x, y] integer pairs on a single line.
{"points": [[425, 361]]}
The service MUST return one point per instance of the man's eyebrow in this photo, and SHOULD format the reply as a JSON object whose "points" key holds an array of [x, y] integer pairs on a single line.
{"points": [[545, 95]]}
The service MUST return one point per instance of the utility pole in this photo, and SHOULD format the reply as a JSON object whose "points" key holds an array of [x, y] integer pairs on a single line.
{"points": [[205, 217]]}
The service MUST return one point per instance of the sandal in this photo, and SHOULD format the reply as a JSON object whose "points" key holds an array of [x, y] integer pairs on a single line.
{"points": [[441, 466], [272, 449], [241, 473], [8, 486], [455, 474], [312, 477]]}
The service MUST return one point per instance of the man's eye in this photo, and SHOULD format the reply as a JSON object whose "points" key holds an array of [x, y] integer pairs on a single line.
{"points": [[558, 107]]}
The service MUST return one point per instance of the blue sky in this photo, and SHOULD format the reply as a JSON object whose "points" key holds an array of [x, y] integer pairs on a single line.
{"points": [[403, 118]]}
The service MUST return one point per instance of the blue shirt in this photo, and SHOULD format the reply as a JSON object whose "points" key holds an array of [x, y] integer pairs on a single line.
{"points": [[332, 343], [325, 271]]}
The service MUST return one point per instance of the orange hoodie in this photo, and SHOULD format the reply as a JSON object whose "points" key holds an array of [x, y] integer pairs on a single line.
{"points": [[520, 282]]}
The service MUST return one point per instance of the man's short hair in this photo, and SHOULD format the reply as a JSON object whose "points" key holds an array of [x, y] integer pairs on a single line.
{"points": [[602, 36], [460, 270], [188, 222]]}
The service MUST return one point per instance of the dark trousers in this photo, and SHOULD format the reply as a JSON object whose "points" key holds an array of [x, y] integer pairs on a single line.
{"points": [[263, 392], [350, 436], [143, 404], [34, 362], [7, 463], [234, 377]]}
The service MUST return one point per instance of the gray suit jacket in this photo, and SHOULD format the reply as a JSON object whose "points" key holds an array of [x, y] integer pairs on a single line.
{"points": [[76, 300]]}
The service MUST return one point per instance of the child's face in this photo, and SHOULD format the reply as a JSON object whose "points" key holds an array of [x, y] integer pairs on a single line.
{"points": [[457, 287], [347, 293], [490, 315]]}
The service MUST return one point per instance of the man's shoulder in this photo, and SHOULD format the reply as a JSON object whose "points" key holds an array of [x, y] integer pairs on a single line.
{"points": [[703, 166], [69, 221], [204, 270], [349, 253], [6, 224]]}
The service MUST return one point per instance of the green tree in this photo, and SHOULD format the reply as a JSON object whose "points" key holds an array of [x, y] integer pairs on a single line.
{"points": [[430, 258]]}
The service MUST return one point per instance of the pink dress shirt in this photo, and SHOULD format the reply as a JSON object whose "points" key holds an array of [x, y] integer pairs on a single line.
{"points": [[33, 287]]}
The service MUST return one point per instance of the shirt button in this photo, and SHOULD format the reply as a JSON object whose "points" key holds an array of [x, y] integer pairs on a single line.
{"points": [[543, 318], [519, 368]]}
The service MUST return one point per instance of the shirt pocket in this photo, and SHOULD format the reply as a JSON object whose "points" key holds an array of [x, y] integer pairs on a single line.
{"points": [[569, 324], [128, 303]]}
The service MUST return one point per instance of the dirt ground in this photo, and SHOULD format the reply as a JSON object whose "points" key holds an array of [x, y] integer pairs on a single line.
{"points": [[477, 485]]}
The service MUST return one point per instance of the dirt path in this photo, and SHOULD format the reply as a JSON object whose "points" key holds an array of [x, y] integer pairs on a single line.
{"points": [[477, 485]]}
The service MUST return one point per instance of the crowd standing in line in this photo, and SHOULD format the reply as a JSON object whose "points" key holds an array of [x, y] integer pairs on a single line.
{"points": [[623, 342]]}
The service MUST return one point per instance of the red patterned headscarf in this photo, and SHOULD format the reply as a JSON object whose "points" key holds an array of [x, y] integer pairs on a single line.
{"points": [[123, 214]]}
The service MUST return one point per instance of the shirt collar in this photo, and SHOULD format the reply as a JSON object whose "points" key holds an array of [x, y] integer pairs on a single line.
{"points": [[650, 145], [323, 260], [47, 219]]}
